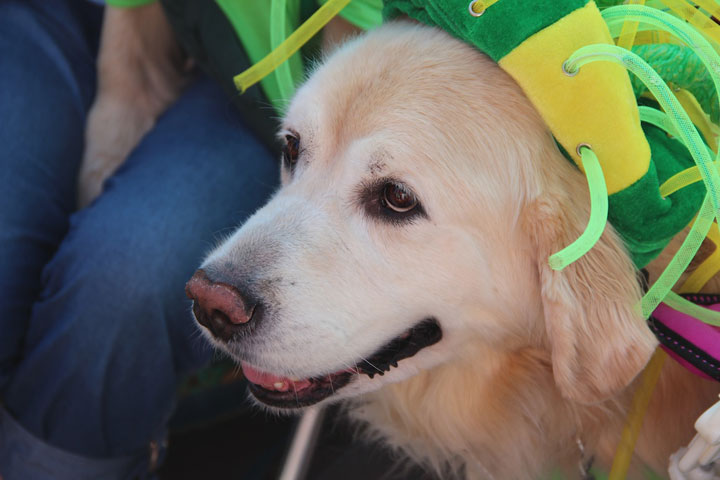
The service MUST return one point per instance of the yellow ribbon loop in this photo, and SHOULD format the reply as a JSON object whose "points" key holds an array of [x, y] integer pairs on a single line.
{"points": [[292, 44], [636, 415], [697, 18], [708, 268], [629, 29]]}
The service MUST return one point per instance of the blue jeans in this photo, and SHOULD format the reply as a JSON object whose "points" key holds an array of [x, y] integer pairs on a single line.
{"points": [[95, 329]]}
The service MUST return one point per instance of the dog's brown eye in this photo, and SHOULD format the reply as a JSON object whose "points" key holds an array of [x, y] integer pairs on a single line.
{"points": [[291, 150], [398, 198], [391, 201]]}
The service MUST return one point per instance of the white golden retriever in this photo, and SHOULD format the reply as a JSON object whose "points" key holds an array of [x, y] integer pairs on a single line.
{"points": [[404, 265]]}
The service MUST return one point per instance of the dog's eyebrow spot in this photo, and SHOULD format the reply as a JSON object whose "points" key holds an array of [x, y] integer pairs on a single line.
{"points": [[377, 164]]}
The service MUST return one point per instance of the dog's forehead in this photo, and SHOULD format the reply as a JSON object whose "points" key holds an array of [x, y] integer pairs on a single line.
{"points": [[398, 72], [415, 100]]}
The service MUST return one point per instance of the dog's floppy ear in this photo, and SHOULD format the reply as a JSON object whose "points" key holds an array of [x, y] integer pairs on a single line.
{"points": [[599, 341]]}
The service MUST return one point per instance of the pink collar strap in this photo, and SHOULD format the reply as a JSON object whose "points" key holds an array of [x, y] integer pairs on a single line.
{"points": [[696, 345]]}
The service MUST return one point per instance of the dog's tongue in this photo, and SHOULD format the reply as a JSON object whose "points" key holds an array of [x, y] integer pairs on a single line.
{"points": [[272, 382]]}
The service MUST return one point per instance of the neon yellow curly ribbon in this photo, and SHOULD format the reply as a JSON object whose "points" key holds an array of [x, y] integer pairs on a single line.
{"points": [[291, 45]]}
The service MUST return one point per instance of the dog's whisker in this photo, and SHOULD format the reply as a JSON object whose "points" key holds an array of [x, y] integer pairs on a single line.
{"points": [[373, 366], [266, 184], [297, 400], [355, 354]]}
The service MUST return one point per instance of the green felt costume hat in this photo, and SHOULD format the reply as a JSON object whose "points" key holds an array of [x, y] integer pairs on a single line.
{"points": [[595, 107]]}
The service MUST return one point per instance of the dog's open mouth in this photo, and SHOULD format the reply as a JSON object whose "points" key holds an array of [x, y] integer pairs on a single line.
{"points": [[286, 392]]}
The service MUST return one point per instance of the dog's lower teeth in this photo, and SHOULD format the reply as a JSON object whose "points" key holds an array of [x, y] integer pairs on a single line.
{"points": [[280, 385]]}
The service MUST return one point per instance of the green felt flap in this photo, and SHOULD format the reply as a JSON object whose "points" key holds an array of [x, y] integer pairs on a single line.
{"points": [[503, 26], [646, 221]]}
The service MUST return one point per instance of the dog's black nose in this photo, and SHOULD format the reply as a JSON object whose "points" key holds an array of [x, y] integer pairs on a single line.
{"points": [[220, 307]]}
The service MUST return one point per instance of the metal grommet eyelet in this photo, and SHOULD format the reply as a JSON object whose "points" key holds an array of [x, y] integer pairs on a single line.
{"points": [[580, 146], [472, 11], [568, 72]]}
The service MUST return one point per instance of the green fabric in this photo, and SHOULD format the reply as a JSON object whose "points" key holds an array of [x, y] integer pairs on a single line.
{"points": [[645, 220], [206, 34], [503, 26], [128, 3], [227, 36], [693, 76], [283, 15], [608, 3], [251, 21]]}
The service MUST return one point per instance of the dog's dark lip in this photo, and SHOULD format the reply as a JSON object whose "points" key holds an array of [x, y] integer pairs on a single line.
{"points": [[424, 334]]}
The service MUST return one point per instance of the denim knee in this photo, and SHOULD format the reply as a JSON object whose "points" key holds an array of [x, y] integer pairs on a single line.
{"points": [[108, 340], [111, 333], [47, 62]]}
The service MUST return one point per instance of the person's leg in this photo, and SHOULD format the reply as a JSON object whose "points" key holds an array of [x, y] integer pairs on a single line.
{"points": [[112, 330], [46, 86]]}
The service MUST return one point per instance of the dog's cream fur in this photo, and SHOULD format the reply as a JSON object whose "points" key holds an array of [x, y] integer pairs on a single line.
{"points": [[531, 359], [141, 71]]}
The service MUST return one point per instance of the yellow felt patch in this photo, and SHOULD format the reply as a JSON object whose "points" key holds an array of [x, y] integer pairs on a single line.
{"points": [[654, 36], [597, 106]]}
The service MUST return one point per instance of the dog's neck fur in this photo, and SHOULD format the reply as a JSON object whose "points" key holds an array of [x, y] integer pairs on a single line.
{"points": [[496, 409], [496, 405]]}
